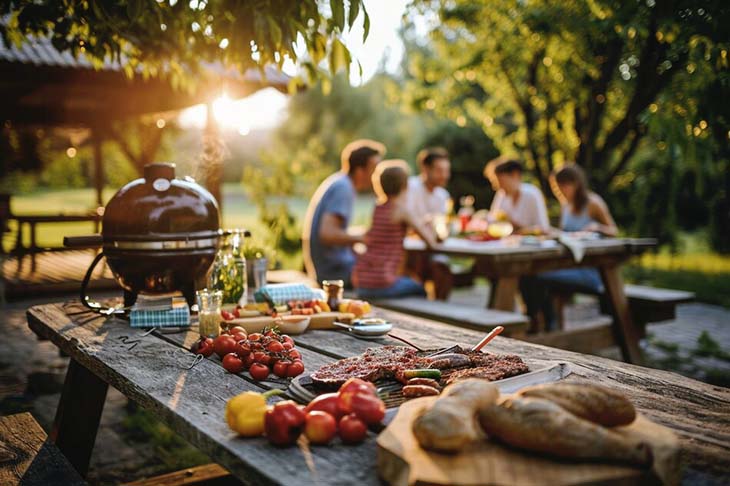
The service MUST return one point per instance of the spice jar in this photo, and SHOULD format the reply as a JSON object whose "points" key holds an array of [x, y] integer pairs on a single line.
{"points": [[334, 290], [209, 312]]}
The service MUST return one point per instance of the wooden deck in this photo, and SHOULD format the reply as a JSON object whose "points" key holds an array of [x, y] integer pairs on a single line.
{"points": [[51, 272]]}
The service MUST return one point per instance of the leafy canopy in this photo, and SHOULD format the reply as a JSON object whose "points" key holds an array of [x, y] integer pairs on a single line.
{"points": [[561, 80], [174, 36]]}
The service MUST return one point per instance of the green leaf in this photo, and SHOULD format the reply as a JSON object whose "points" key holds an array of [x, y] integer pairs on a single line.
{"points": [[354, 10], [339, 57], [338, 13], [365, 24], [274, 30], [318, 47]]}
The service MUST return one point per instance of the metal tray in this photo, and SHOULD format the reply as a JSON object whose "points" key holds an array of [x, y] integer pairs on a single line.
{"points": [[303, 390]]}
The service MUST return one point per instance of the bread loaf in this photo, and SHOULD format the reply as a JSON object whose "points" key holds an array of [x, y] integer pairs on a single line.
{"points": [[598, 404], [539, 425], [450, 423]]}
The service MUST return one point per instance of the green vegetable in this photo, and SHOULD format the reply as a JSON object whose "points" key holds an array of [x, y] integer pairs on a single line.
{"points": [[424, 373]]}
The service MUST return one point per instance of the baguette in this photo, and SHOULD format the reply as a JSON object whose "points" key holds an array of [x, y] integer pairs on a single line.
{"points": [[598, 404], [539, 425], [449, 424]]}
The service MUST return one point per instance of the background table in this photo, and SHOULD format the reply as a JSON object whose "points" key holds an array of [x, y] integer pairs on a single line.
{"points": [[504, 262], [147, 369]]}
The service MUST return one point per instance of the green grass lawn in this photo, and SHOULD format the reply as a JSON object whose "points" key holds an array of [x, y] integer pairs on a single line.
{"points": [[695, 268]]}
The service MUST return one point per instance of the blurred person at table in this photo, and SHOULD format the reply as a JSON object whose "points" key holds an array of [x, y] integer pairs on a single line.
{"points": [[326, 242], [378, 272], [429, 203], [518, 202], [581, 211]]}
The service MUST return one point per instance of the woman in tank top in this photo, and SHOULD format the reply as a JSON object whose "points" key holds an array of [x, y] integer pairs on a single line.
{"points": [[581, 210]]}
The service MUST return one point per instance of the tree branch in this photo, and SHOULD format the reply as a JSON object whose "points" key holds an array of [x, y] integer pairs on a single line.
{"points": [[589, 127], [625, 157]]}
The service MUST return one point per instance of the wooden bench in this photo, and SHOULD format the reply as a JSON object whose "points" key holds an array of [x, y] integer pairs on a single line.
{"points": [[27, 457], [468, 317], [646, 304], [207, 474]]}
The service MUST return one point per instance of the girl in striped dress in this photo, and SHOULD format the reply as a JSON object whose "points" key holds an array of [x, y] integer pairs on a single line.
{"points": [[378, 271]]}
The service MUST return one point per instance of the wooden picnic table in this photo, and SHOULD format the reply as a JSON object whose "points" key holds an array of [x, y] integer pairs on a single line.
{"points": [[150, 371], [503, 262]]}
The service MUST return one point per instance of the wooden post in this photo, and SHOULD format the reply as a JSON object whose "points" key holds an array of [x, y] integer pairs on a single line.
{"points": [[212, 163], [98, 168], [627, 335], [78, 415]]}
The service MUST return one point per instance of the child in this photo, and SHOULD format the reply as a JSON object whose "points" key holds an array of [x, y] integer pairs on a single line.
{"points": [[377, 272]]}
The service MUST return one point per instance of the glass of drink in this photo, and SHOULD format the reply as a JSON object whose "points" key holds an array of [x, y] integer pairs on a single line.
{"points": [[209, 312]]}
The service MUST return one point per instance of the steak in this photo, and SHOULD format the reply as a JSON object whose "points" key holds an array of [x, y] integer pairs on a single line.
{"points": [[390, 361], [490, 367], [373, 365]]}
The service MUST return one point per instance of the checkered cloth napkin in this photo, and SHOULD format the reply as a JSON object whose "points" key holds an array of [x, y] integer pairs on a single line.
{"points": [[172, 313], [282, 293]]}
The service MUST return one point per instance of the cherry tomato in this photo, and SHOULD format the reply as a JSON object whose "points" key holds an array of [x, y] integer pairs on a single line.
{"points": [[295, 369], [232, 363], [280, 368], [227, 316], [320, 427], [255, 336], [237, 311], [204, 346], [248, 361], [352, 429], [224, 344], [260, 357], [275, 347], [243, 348], [259, 371], [294, 354], [327, 402], [287, 346], [287, 339]]}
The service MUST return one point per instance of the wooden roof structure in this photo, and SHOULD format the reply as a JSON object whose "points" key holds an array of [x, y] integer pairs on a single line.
{"points": [[41, 85]]}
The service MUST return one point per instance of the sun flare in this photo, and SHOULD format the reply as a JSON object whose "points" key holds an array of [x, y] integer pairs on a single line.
{"points": [[264, 109]]}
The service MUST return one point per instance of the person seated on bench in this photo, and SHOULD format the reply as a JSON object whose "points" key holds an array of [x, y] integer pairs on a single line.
{"points": [[521, 203], [581, 210], [428, 200], [377, 272]]}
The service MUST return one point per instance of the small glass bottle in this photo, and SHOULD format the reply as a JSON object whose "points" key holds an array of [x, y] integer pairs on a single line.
{"points": [[334, 290], [229, 269]]}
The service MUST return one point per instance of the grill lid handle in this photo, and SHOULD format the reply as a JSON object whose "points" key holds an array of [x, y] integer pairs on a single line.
{"points": [[159, 170]]}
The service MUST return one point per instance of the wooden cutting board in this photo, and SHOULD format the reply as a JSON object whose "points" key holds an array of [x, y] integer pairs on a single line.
{"points": [[402, 462], [322, 320]]}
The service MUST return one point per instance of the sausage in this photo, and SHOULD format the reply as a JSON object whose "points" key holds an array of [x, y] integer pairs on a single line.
{"points": [[450, 360], [424, 381], [413, 391]]}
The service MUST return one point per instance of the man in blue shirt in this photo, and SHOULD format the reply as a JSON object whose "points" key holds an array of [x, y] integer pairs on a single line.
{"points": [[326, 243]]}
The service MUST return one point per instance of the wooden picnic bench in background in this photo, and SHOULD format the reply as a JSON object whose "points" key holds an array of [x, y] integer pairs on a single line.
{"points": [[504, 262], [646, 305], [28, 458], [468, 317], [32, 221]]}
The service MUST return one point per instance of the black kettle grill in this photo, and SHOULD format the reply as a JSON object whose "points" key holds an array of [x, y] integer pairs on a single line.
{"points": [[159, 235]]}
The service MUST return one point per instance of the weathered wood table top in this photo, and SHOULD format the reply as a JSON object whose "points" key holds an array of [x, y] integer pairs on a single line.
{"points": [[150, 370]]}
